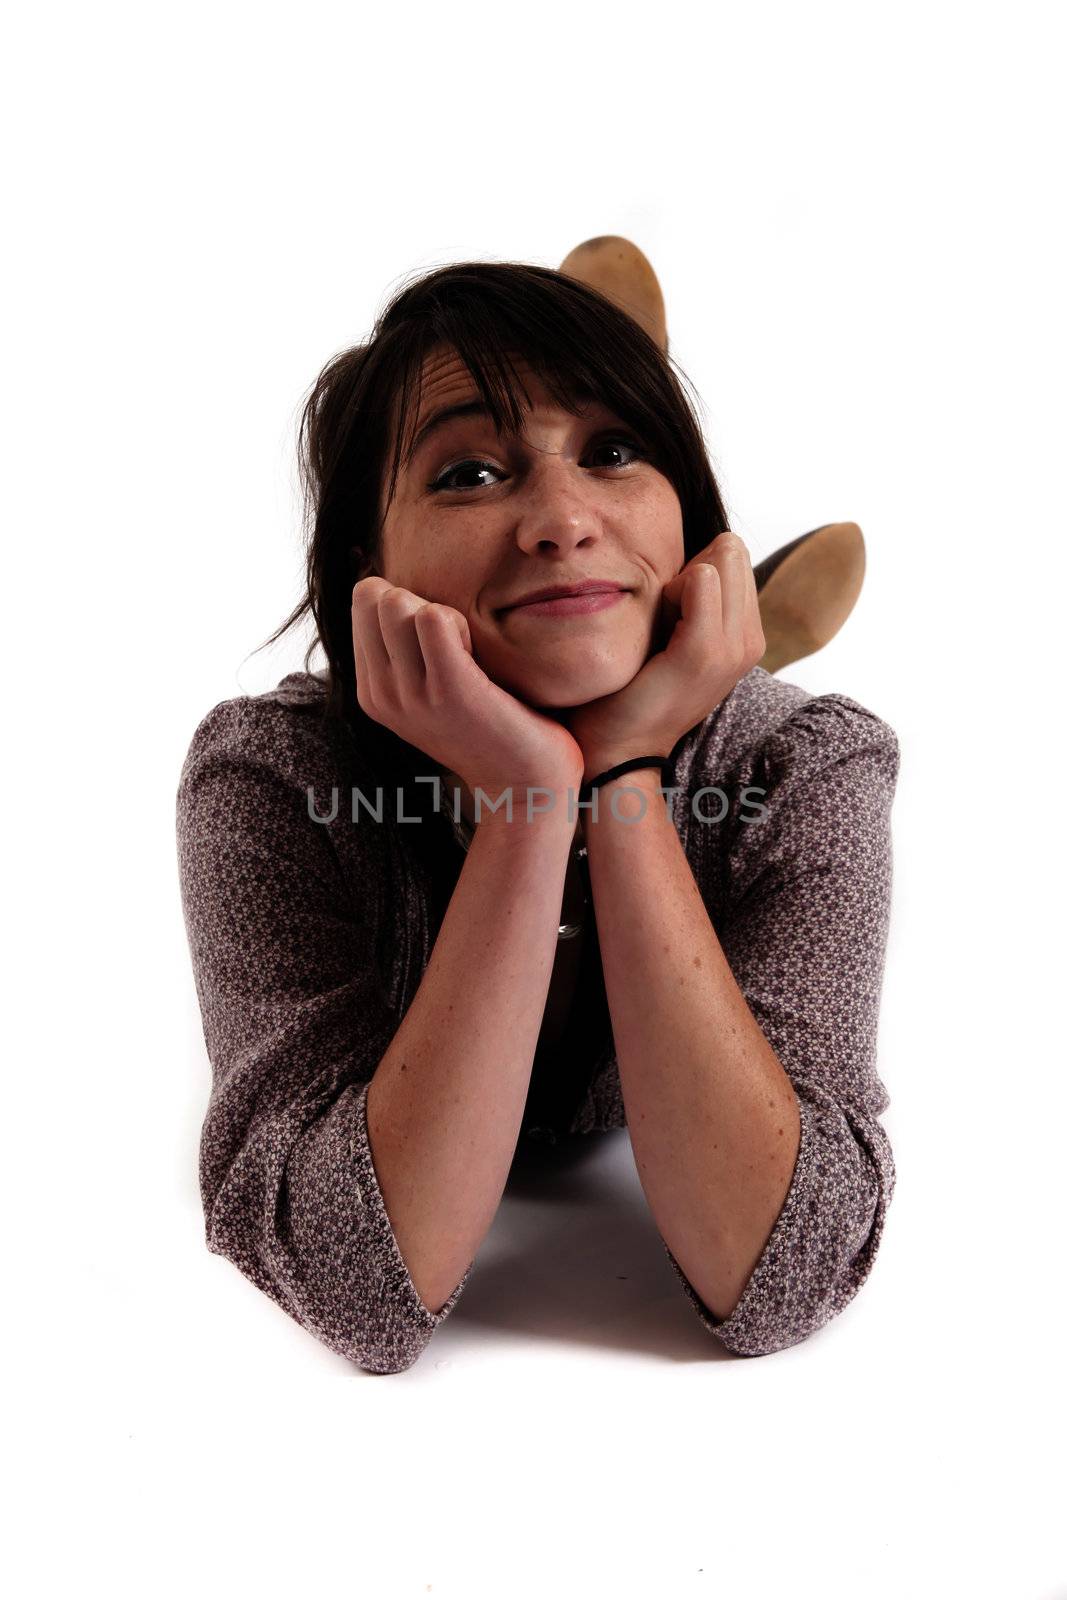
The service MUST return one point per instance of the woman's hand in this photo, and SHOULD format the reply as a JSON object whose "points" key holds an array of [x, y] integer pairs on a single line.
{"points": [[711, 622], [416, 673]]}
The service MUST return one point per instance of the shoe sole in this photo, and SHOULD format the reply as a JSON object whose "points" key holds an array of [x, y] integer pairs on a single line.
{"points": [[624, 275], [807, 590]]}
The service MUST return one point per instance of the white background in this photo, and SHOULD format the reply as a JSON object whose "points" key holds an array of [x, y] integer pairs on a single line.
{"points": [[856, 214]]}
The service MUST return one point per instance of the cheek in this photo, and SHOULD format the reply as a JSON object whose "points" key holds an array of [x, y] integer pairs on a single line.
{"points": [[412, 558], [657, 511], [450, 577]]}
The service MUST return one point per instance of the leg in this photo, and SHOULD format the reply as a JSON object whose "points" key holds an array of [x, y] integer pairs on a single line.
{"points": [[808, 587]]}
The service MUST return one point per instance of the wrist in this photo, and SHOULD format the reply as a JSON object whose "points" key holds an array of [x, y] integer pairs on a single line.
{"points": [[544, 804], [596, 764]]}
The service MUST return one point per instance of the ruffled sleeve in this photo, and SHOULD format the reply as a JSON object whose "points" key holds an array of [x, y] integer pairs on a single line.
{"points": [[804, 929]]}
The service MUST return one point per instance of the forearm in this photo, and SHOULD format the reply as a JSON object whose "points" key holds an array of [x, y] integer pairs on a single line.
{"points": [[713, 1118], [445, 1105]]}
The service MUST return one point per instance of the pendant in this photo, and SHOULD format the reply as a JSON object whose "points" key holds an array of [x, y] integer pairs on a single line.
{"points": [[568, 930]]}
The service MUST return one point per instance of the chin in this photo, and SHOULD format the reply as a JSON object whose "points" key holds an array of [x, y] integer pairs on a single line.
{"points": [[570, 675], [563, 694]]}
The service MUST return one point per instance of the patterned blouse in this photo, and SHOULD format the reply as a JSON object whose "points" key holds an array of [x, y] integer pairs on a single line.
{"points": [[309, 935]]}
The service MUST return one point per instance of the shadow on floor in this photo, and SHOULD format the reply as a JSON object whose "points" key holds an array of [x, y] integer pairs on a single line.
{"points": [[574, 1256]]}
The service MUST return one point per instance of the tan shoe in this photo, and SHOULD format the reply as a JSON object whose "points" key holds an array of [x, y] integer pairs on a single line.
{"points": [[807, 590], [808, 587], [624, 275]]}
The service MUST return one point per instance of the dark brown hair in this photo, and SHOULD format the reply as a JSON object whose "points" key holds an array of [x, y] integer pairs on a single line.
{"points": [[574, 339]]}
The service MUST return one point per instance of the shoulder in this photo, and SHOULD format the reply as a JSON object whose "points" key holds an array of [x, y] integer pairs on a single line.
{"points": [[281, 732], [269, 778], [773, 732], [246, 720]]}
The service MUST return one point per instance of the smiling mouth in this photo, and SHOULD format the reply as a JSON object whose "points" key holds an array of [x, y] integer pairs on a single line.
{"points": [[569, 605]]}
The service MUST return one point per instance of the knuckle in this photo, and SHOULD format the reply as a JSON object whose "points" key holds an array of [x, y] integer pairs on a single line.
{"points": [[366, 588]]}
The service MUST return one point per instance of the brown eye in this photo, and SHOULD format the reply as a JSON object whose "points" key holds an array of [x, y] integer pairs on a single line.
{"points": [[461, 466], [618, 441], [474, 464]]}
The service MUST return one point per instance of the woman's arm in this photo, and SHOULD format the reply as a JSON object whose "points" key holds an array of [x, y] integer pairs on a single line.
{"points": [[297, 1025], [445, 1108], [713, 1118], [746, 1050]]}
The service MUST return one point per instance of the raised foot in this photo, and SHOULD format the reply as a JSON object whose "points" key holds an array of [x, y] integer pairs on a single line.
{"points": [[807, 591], [623, 274]]}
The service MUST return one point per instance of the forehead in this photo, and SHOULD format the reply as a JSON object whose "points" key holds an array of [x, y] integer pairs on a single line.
{"points": [[446, 380]]}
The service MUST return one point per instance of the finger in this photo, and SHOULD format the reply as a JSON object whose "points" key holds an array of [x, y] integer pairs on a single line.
{"points": [[735, 570], [397, 610], [464, 631], [460, 623], [360, 660], [742, 625], [701, 605], [753, 619], [669, 613], [751, 625], [442, 649], [372, 658]]}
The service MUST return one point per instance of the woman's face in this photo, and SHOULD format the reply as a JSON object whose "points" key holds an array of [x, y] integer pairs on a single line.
{"points": [[569, 499]]}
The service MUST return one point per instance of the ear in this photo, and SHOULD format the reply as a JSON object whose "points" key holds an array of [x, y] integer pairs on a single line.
{"points": [[361, 565]]}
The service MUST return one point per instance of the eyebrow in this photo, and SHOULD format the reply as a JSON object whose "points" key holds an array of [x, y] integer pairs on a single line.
{"points": [[470, 408], [466, 408]]}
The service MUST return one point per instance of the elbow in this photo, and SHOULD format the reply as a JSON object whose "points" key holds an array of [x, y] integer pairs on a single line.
{"points": [[347, 1303], [824, 1242], [830, 1261], [300, 1216]]}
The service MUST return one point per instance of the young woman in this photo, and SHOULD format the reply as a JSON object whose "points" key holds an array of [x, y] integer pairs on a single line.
{"points": [[513, 867]]}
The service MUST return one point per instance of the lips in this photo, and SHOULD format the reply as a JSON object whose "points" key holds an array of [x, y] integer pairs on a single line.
{"points": [[559, 591]]}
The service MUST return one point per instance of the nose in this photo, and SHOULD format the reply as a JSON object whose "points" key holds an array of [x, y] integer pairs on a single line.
{"points": [[558, 510]]}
